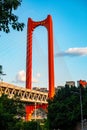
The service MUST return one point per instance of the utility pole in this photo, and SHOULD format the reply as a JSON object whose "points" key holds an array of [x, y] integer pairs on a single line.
{"points": [[81, 108]]}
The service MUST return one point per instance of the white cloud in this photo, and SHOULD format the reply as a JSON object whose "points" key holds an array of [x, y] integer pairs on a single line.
{"points": [[34, 80], [81, 51], [21, 77], [38, 75]]}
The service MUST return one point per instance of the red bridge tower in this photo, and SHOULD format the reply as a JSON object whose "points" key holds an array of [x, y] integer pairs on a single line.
{"points": [[31, 26]]}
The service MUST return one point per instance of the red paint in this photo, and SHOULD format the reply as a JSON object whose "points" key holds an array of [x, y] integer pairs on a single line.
{"points": [[83, 83], [31, 108], [31, 26]]}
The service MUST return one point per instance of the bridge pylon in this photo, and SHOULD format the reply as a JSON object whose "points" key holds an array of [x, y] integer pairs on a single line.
{"points": [[30, 28]]}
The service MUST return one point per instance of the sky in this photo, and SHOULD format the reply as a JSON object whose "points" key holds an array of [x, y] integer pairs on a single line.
{"points": [[70, 43]]}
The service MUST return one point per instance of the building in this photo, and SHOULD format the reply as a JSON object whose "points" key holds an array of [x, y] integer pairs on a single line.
{"points": [[70, 83], [43, 90], [59, 87], [36, 88], [82, 82], [40, 89]]}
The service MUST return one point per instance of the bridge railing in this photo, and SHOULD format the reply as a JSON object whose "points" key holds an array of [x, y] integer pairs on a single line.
{"points": [[26, 95]]}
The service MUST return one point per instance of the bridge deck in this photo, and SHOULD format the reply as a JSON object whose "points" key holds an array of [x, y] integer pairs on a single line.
{"points": [[26, 95]]}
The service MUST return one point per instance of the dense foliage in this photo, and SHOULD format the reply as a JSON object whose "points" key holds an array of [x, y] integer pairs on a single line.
{"points": [[12, 115], [7, 17], [11, 112], [64, 110], [32, 125]]}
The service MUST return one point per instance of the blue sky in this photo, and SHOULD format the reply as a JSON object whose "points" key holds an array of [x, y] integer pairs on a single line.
{"points": [[70, 42]]}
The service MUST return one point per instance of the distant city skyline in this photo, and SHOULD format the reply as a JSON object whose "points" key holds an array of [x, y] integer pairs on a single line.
{"points": [[70, 43]]}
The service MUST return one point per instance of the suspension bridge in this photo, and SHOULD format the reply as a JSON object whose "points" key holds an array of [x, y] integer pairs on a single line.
{"points": [[27, 94]]}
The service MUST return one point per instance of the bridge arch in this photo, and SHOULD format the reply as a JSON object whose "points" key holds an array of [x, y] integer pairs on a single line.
{"points": [[31, 26]]}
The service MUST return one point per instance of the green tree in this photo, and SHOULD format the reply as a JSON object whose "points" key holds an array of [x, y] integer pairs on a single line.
{"points": [[11, 113], [64, 110], [31, 125], [45, 125], [7, 17], [1, 72]]}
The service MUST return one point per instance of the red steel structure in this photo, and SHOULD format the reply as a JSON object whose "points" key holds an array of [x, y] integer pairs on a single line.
{"points": [[83, 83], [31, 26], [30, 109]]}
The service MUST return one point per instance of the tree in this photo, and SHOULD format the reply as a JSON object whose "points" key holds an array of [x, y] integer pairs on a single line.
{"points": [[1, 72], [32, 125], [7, 17], [45, 125], [64, 110], [11, 113]]}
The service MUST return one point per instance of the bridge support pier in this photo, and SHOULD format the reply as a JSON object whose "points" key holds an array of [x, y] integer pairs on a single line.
{"points": [[31, 108]]}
